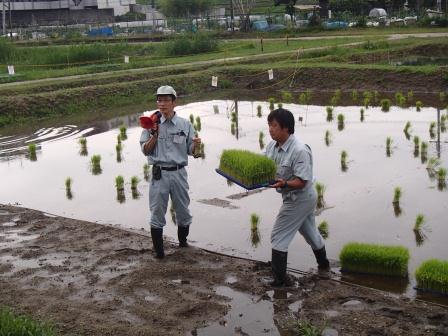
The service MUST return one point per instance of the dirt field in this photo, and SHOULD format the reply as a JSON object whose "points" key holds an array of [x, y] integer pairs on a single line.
{"points": [[88, 279]]}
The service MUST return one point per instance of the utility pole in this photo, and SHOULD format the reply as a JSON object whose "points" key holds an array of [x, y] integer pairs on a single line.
{"points": [[10, 25]]}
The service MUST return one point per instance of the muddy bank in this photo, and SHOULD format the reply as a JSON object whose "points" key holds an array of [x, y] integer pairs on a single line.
{"points": [[88, 279]]}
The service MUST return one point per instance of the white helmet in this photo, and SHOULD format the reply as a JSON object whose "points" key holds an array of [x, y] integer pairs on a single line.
{"points": [[166, 90]]}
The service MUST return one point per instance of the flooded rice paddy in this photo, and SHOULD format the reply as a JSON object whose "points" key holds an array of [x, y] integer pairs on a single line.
{"points": [[358, 199]]}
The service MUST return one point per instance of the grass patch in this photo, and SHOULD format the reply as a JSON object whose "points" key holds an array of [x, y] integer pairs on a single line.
{"points": [[247, 167], [22, 325], [375, 259], [433, 275]]}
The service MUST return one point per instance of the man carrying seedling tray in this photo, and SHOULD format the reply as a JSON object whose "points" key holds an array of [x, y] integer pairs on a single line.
{"points": [[167, 140], [294, 180]]}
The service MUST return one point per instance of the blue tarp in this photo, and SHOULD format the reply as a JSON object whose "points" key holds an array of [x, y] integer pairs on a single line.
{"points": [[103, 31]]}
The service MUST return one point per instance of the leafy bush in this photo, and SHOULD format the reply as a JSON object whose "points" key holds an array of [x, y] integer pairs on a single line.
{"points": [[190, 44], [21, 325], [375, 259]]}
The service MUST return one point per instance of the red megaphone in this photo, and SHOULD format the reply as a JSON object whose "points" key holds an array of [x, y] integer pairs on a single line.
{"points": [[150, 122]]}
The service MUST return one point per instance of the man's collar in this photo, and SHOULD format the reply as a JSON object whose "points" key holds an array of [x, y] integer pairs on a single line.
{"points": [[287, 143], [173, 119]]}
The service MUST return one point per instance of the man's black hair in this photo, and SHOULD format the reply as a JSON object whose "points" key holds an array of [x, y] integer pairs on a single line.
{"points": [[284, 118]]}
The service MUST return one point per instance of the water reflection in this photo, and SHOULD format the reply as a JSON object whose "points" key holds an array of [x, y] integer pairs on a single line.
{"points": [[396, 285]]}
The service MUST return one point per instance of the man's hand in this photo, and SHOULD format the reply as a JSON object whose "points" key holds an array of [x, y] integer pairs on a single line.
{"points": [[280, 183]]}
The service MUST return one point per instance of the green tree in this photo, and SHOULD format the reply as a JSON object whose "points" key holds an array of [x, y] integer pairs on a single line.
{"points": [[184, 8]]}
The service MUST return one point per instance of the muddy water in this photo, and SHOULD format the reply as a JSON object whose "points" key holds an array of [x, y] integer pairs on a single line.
{"points": [[358, 201]]}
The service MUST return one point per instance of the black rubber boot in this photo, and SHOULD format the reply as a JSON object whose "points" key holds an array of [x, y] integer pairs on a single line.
{"points": [[278, 264], [182, 234], [321, 258], [157, 241]]}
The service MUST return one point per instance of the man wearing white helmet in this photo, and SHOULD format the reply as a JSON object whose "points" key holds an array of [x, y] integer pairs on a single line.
{"points": [[167, 148]]}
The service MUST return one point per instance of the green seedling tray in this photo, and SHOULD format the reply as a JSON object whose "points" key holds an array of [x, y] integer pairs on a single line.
{"points": [[241, 184]]}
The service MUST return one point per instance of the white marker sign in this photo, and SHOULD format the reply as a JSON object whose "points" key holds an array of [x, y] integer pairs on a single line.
{"points": [[126, 59], [11, 70], [271, 74], [215, 81]]}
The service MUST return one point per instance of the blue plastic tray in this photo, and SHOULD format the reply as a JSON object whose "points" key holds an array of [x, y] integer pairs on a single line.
{"points": [[247, 187]]}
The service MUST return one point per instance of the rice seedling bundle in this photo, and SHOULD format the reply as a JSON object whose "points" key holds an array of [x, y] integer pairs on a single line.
{"points": [[323, 229], [286, 96], [385, 105], [271, 104], [419, 222], [362, 114], [418, 105], [123, 134], [68, 183], [198, 126], [247, 167], [432, 132], [146, 171], [259, 112], [375, 259], [432, 275], [83, 141], [134, 182], [366, 102], [329, 113], [119, 182], [327, 137], [254, 219], [410, 95], [397, 195], [280, 105], [192, 119]]}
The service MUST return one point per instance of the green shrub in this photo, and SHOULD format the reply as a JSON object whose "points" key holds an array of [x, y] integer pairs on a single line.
{"points": [[190, 44], [375, 259], [433, 275], [247, 167]]}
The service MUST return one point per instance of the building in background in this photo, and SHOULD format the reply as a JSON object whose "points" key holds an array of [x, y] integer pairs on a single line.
{"points": [[62, 12]]}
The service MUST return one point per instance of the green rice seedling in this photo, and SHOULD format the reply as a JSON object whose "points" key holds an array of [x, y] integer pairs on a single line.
{"points": [[420, 229], [123, 134], [68, 188], [83, 143], [254, 220], [323, 229], [259, 112], [334, 101], [95, 162], [32, 151], [192, 119], [198, 125], [134, 182], [344, 156], [119, 182], [385, 105], [286, 97], [355, 96], [119, 139], [233, 117], [432, 129], [341, 124], [424, 151], [118, 149], [418, 105], [280, 105], [320, 189], [232, 128], [261, 139], [361, 111], [366, 102], [375, 259], [407, 130], [271, 104], [416, 146], [400, 99], [146, 169], [14, 325], [432, 166], [442, 96], [432, 275], [443, 119], [389, 142], [410, 95], [329, 110], [441, 178], [247, 167], [419, 222], [327, 138], [396, 201], [202, 151]]}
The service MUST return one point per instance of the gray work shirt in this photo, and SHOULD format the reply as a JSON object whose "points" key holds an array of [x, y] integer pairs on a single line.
{"points": [[174, 144], [293, 158]]}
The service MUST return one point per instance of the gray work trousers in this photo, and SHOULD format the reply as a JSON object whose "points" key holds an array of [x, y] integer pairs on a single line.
{"points": [[296, 214], [174, 184]]}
